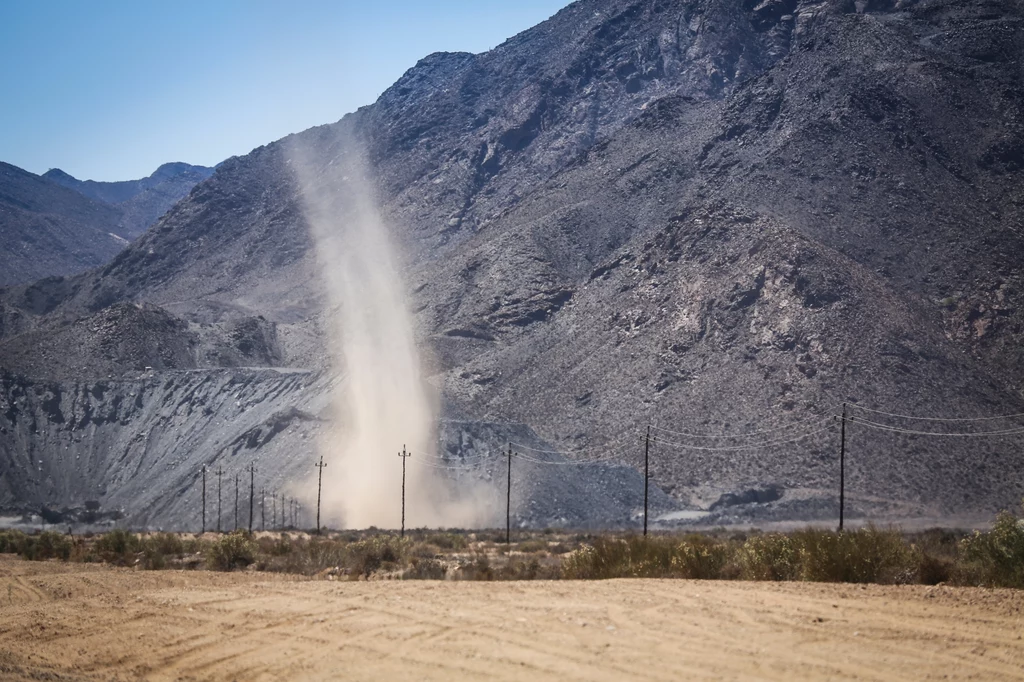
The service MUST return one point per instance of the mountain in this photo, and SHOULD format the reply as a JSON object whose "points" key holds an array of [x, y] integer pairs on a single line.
{"points": [[46, 229], [54, 225], [718, 217], [141, 201]]}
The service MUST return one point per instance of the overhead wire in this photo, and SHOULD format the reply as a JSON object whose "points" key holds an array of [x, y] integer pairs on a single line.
{"points": [[936, 419], [783, 427], [896, 429], [571, 462], [747, 446], [614, 442]]}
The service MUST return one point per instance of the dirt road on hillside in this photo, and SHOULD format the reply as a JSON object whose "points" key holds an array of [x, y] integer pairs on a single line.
{"points": [[81, 622]]}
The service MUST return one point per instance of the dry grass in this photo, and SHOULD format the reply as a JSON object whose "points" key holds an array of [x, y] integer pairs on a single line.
{"points": [[867, 555]]}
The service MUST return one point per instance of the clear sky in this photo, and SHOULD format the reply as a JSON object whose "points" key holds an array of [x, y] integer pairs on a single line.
{"points": [[110, 90]]}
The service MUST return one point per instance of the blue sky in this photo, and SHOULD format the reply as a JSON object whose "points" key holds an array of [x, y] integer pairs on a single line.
{"points": [[110, 90]]}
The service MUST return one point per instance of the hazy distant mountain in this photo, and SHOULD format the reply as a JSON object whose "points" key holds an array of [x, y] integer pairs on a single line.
{"points": [[47, 229], [142, 201], [55, 225], [719, 216]]}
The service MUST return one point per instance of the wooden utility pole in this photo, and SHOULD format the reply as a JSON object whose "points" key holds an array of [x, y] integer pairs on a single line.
{"points": [[842, 468], [236, 501], [273, 501], [647, 473], [508, 499], [404, 455], [220, 487], [252, 490], [319, 487], [263, 508], [204, 498]]}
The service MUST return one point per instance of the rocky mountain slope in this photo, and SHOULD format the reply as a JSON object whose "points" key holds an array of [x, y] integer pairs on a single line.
{"points": [[47, 229], [56, 225], [143, 201], [722, 217]]}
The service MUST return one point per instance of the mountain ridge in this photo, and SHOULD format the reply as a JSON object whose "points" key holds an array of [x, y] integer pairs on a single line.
{"points": [[718, 216], [144, 200]]}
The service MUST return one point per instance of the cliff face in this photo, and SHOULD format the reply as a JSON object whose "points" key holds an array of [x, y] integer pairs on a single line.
{"points": [[717, 216]]}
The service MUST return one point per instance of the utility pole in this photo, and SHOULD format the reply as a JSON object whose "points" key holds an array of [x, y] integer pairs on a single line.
{"points": [[204, 498], [319, 487], [647, 473], [842, 468], [404, 455], [252, 490], [220, 486], [508, 499], [263, 508], [236, 501], [273, 501]]}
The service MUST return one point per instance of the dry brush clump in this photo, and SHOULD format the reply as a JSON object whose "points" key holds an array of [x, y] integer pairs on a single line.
{"points": [[995, 558], [867, 555], [234, 550]]}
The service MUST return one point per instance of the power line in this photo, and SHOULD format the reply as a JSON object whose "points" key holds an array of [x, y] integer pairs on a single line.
{"points": [[750, 446], [465, 458], [609, 456], [937, 419], [896, 429], [688, 434], [616, 441], [421, 463], [574, 462]]}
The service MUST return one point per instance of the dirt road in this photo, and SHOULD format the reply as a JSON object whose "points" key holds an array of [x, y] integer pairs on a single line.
{"points": [[81, 622]]}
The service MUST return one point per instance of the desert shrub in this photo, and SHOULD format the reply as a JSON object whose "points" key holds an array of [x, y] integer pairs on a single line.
{"points": [[479, 569], [531, 569], [700, 558], [532, 546], [279, 546], [117, 547], [933, 570], [46, 545], [158, 549], [235, 550], [866, 555], [11, 541], [309, 557], [448, 541], [695, 556], [994, 558], [769, 557], [424, 550], [382, 552], [425, 569]]}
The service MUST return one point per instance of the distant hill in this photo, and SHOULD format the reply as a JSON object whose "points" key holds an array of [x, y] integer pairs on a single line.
{"points": [[47, 229], [142, 201], [55, 225]]}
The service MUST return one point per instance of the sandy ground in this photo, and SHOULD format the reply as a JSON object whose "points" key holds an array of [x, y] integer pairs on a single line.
{"points": [[85, 622]]}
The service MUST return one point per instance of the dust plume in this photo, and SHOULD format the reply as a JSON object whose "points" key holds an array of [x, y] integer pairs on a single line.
{"points": [[383, 401]]}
